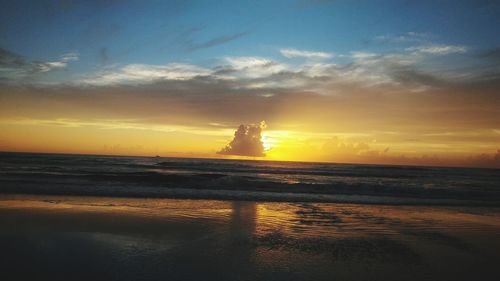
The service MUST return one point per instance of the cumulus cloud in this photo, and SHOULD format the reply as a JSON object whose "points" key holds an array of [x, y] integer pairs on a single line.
{"points": [[247, 141], [295, 53], [341, 150], [337, 146], [487, 160]]}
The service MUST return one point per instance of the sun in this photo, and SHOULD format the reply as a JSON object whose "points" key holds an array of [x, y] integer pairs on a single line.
{"points": [[267, 142]]}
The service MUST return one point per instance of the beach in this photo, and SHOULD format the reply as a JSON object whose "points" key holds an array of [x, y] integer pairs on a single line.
{"points": [[105, 238]]}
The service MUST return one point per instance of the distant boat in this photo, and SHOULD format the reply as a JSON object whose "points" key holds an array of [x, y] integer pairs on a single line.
{"points": [[157, 156]]}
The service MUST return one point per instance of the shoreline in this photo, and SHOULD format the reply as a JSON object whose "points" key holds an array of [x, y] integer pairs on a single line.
{"points": [[262, 196]]}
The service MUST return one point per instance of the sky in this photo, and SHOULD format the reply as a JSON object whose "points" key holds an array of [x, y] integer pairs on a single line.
{"points": [[387, 82]]}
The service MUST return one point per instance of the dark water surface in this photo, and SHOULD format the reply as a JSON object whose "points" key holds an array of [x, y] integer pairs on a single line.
{"points": [[245, 180], [98, 238]]}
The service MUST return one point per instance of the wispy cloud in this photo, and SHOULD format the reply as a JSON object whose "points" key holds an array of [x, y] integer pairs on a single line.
{"points": [[362, 55], [490, 54], [14, 67], [401, 70], [252, 67], [70, 57], [52, 65], [407, 37], [438, 49], [410, 69], [192, 46], [10, 59], [143, 73], [192, 39], [114, 124], [295, 53]]}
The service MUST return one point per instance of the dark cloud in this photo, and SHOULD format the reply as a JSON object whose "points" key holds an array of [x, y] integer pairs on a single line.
{"points": [[205, 99], [491, 72], [247, 141], [412, 77], [15, 68], [494, 53], [11, 59], [192, 46]]}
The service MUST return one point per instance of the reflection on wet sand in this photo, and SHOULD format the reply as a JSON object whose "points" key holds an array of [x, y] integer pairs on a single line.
{"points": [[78, 238], [243, 220]]}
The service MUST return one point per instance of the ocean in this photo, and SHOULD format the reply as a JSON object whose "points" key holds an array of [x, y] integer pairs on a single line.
{"points": [[162, 177]]}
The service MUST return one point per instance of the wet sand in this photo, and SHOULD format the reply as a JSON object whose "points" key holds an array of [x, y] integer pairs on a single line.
{"points": [[99, 238]]}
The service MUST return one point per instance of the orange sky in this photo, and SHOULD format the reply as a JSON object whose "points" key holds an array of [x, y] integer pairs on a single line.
{"points": [[435, 127]]}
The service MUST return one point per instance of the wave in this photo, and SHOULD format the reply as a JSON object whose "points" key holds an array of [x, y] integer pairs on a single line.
{"points": [[220, 186], [245, 180]]}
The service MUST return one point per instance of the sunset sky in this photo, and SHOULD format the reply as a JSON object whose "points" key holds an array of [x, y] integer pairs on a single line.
{"points": [[390, 82]]}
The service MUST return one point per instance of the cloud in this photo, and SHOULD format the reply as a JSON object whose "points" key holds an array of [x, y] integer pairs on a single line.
{"points": [[407, 37], [136, 74], [492, 54], [192, 39], [486, 160], [340, 150], [251, 67], [14, 67], [192, 46], [295, 53], [353, 111], [10, 59], [233, 68], [52, 65], [70, 57], [339, 147], [247, 141], [363, 55], [438, 49], [405, 71]]}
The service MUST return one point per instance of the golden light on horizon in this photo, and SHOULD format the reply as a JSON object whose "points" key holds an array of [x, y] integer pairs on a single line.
{"points": [[142, 139], [268, 142]]}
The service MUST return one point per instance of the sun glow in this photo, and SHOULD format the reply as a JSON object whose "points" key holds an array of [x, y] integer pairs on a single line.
{"points": [[267, 141]]}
